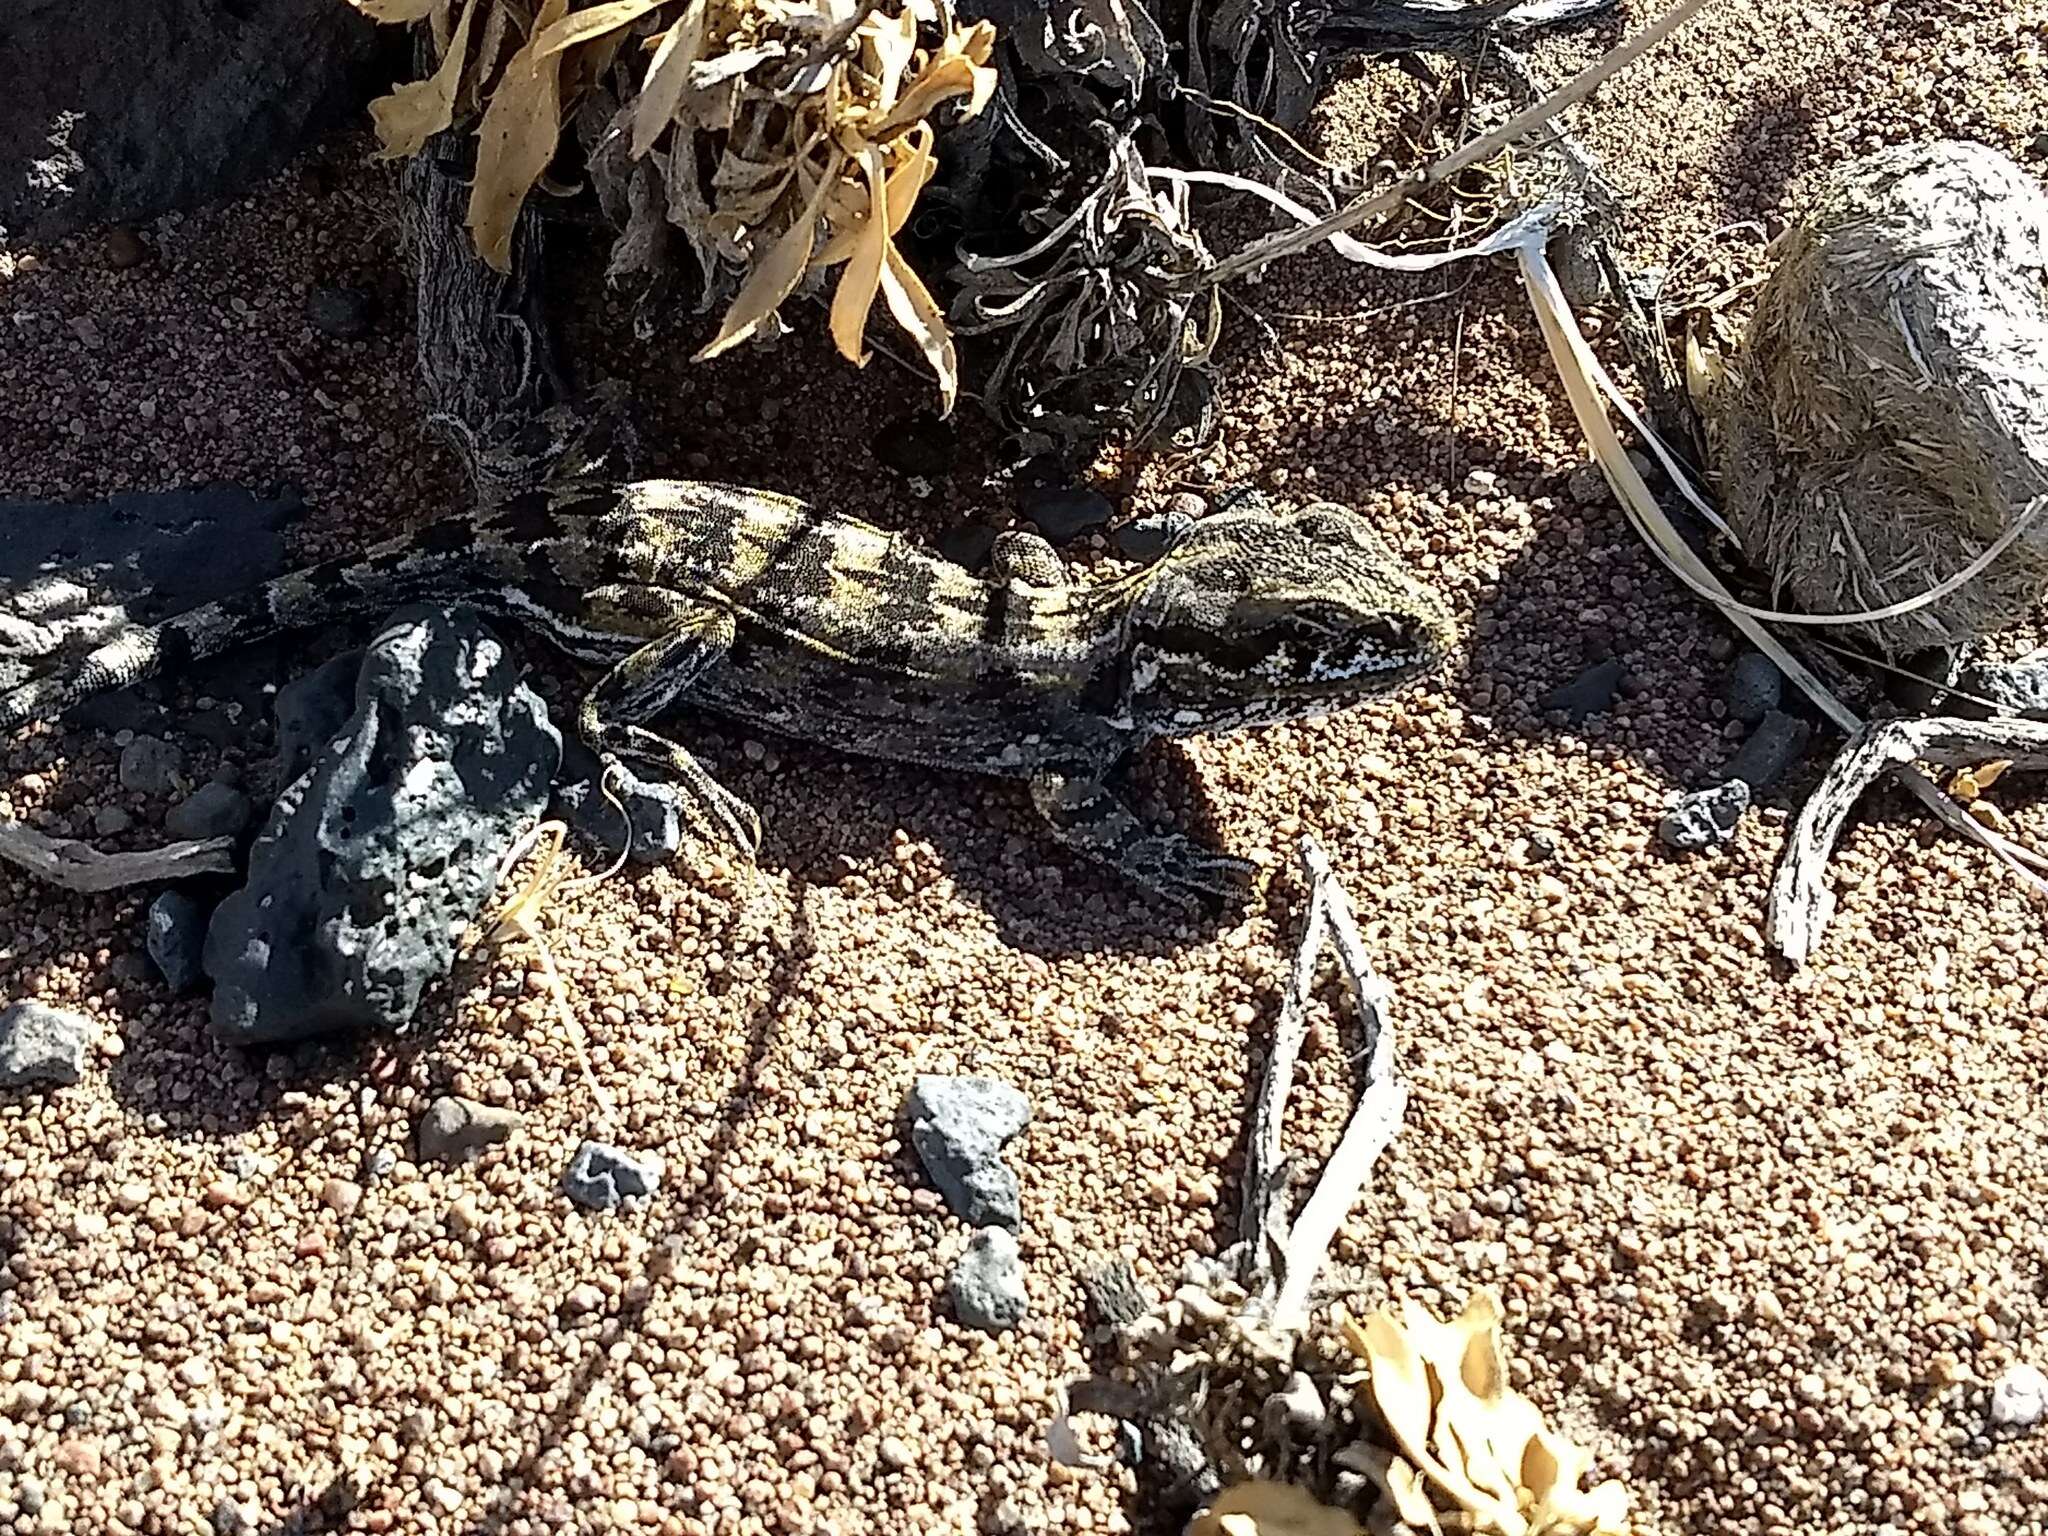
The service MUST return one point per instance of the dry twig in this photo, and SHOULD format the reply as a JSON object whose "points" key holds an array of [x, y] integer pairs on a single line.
{"points": [[77, 866], [1800, 903]]}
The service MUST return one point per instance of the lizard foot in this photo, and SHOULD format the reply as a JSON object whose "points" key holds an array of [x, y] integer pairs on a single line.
{"points": [[710, 810], [1188, 875]]}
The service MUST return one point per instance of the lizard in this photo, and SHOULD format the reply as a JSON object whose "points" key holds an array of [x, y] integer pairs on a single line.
{"points": [[751, 605]]}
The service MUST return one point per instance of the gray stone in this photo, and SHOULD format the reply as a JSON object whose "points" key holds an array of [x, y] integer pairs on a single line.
{"points": [[145, 105], [1064, 512], [1754, 687], [1774, 746], [1588, 485], [176, 938], [959, 1126], [2019, 1398], [212, 810], [151, 767], [376, 858], [1704, 818], [603, 1177], [968, 545], [111, 821], [454, 1130], [987, 1284], [344, 313], [1590, 693], [40, 1044], [1147, 538], [72, 573]]}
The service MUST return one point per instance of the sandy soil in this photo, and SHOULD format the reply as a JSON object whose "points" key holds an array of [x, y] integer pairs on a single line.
{"points": [[1764, 1239]]}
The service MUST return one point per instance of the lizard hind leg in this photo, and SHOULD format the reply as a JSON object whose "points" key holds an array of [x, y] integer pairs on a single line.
{"points": [[1087, 815], [641, 687]]}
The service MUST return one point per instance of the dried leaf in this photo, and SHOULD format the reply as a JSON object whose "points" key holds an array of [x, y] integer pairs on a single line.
{"points": [[582, 26], [775, 275], [1257, 1507], [892, 43], [681, 46], [919, 313], [862, 279], [960, 68], [906, 181], [516, 141], [419, 109], [1483, 1363], [1988, 774], [1985, 814], [396, 11]]}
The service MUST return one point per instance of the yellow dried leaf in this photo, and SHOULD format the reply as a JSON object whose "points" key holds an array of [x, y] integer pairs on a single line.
{"points": [[418, 110], [681, 46], [1483, 1364], [960, 68], [862, 279], [1257, 1507], [396, 11], [1985, 814], [582, 26], [775, 275], [891, 44], [1399, 1382], [906, 181], [515, 141], [1988, 774], [919, 314], [490, 47]]}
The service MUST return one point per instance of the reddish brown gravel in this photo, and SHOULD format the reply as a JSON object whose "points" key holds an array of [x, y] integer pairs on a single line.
{"points": [[1765, 1240]]}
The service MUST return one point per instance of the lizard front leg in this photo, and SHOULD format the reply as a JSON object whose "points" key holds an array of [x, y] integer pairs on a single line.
{"points": [[642, 686], [1089, 817]]}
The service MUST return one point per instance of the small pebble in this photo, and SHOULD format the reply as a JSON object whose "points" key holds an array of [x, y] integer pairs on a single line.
{"points": [[125, 248], [344, 313], [39, 1044], [212, 810], [603, 1177], [987, 1284], [111, 821], [151, 767], [2019, 1398], [1704, 818], [1590, 693], [1754, 687], [175, 935]]}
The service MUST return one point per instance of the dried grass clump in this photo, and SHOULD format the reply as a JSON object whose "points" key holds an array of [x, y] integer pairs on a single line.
{"points": [[783, 138], [1885, 419], [1399, 1425]]}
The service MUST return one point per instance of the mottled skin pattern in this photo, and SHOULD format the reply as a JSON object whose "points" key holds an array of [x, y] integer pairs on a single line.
{"points": [[831, 631]]}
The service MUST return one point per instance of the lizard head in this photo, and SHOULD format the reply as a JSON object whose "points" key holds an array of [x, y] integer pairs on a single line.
{"points": [[1257, 616]]}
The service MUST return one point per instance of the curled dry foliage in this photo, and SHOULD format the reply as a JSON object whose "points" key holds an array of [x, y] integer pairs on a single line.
{"points": [[783, 137], [1096, 332]]}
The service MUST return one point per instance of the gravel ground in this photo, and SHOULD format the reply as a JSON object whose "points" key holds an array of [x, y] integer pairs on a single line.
{"points": [[1765, 1240]]}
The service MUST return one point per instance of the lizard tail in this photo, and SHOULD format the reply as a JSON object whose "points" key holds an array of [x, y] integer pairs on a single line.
{"points": [[377, 579]]}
